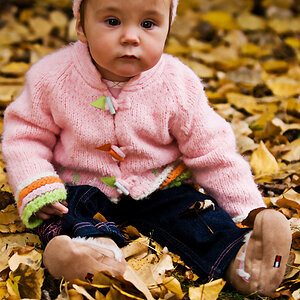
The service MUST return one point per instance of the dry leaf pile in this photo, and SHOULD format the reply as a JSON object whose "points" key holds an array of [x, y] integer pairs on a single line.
{"points": [[247, 54]]}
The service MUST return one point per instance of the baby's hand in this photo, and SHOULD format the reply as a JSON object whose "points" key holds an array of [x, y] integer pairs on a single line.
{"points": [[51, 210]]}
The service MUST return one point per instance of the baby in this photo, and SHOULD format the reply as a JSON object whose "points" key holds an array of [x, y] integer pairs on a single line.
{"points": [[112, 125]]}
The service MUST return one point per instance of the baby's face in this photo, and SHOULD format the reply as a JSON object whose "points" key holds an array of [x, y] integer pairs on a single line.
{"points": [[125, 37]]}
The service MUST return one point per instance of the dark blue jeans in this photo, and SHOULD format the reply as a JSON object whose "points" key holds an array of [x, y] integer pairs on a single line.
{"points": [[206, 240]]}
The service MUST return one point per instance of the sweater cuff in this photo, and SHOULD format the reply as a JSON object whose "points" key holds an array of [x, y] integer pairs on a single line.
{"points": [[28, 217], [37, 193]]}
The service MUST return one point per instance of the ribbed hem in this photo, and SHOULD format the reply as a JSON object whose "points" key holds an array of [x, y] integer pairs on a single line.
{"points": [[28, 218]]}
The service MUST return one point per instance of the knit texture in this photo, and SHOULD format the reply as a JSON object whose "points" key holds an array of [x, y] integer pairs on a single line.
{"points": [[76, 7], [161, 117]]}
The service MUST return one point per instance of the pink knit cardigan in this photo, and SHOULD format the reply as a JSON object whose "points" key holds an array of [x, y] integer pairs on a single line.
{"points": [[54, 134]]}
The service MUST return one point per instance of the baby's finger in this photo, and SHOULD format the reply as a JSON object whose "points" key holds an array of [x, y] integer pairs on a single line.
{"points": [[49, 210], [43, 216], [60, 207]]}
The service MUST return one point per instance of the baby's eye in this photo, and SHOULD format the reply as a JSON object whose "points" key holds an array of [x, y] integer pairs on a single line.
{"points": [[112, 22], [147, 24]]}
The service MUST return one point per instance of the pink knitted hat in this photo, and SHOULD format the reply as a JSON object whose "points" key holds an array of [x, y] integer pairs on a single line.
{"points": [[76, 6]]}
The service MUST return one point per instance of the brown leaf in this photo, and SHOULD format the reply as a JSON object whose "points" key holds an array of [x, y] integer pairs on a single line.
{"points": [[249, 221], [296, 240], [27, 282]]}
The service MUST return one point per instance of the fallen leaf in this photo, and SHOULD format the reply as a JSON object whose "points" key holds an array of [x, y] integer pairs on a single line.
{"points": [[27, 282], [33, 259], [262, 161], [83, 292], [208, 291], [220, 20], [283, 86], [15, 68], [249, 21], [173, 285], [289, 199], [3, 290], [294, 153]]}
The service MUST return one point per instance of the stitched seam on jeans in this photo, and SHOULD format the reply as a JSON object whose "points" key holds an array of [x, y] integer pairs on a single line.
{"points": [[82, 196], [186, 253], [223, 254]]}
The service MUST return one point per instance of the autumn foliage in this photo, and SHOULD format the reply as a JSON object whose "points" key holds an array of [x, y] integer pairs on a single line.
{"points": [[247, 54]]}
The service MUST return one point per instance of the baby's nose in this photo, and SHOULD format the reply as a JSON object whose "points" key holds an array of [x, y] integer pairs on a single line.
{"points": [[130, 36]]}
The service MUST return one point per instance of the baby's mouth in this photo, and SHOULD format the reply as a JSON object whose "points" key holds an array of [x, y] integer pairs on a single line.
{"points": [[129, 57]]}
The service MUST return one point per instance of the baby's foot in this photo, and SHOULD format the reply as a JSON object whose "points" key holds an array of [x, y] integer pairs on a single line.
{"points": [[260, 264], [75, 258]]}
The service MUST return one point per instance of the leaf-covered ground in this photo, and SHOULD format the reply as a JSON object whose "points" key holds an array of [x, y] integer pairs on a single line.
{"points": [[247, 54]]}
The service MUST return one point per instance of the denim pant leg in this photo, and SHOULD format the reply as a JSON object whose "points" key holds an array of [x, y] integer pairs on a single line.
{"points": [[84, 202], [206, 241]]}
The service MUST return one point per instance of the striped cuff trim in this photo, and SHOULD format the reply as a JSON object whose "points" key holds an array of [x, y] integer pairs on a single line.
{"points": [[32, 207], [30, 180], [38, 192], [35, 185]]}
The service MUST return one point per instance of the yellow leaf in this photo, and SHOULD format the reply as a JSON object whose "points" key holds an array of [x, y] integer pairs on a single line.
{"points": [[250, 104], [262, 161], [200, 69], [74, 295], [289, 199], [137, 249], [293, 42], [293, 107], [12, 287], [294, 153], [275, 66], [131, 276], [83, 292], [165, 264], [124, 292], [4, 257], [284, 86], [15, 68], [173, 285], [40, 26], [196, 45], [9, 215], [113, 294], [220, 20], [9, 93], [286, 25], [28, 281], [248, 21], [244, 144], [250, 49], [297, 259], [285, 127], [99, 296], [3, 290], [17, 226], [33, 259], [208, 291], [19, 239]]}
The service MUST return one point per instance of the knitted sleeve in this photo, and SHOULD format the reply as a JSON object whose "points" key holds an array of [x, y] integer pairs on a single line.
{"points": [[208, 145], [28, 140]]}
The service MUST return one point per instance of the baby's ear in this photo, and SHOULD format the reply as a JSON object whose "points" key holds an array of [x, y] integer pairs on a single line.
{"points": [[80, 31]]}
